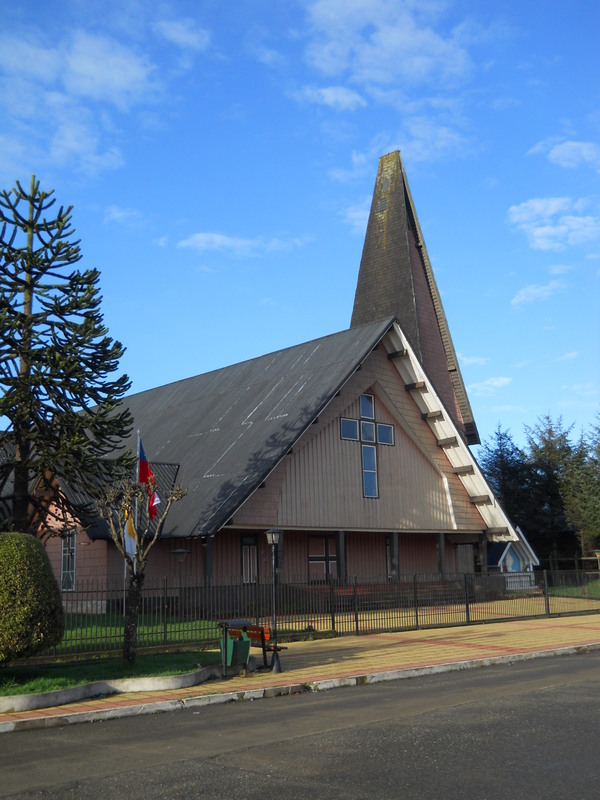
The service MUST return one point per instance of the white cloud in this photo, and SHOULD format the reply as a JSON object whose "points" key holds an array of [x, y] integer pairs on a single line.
{"points": [[426, 139], [236, 245], [568, 356], [129, 217], [554, 223], [420, 139], [569, 154], [29, 58], [74, 84], [582, 389], [378, 42], [100, 68], [560, 269], [338, 97], [473, 361], [184, 33], [536, 292], [76, 137], [268, 56], [239, 246], [357, 216], [488, 387]]}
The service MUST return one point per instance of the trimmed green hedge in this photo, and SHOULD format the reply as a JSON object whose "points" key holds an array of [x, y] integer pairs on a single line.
{"points": [[31, 614]]}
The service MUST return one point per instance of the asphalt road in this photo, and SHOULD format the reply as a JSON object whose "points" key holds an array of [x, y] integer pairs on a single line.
{"points": [[528, 730]]}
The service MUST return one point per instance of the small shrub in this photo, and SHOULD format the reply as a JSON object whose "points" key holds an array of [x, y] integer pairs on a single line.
{"points": [[31, 614]]}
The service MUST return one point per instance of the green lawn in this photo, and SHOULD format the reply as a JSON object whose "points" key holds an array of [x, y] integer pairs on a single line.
{"points": [[86, 633], [589, 590], [30, 678]]}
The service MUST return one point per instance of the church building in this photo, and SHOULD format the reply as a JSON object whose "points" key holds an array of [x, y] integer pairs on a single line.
{"points": [[355, 446]]}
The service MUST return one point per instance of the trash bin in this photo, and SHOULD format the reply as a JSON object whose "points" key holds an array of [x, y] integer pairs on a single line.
{"points": [[235, 650]]}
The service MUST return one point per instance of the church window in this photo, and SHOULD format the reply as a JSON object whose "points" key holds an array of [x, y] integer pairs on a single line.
{"points": [[349, 429], [367, 431], [385, 433], [369, 467], [367, 406], [67, 561], [370, 434]]}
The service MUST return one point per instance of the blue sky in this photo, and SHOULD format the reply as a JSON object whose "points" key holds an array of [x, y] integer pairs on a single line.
{"points": [[221, 159]]}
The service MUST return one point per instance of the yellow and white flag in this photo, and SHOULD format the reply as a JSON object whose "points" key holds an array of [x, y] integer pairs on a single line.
{"points": [[129, 538]]}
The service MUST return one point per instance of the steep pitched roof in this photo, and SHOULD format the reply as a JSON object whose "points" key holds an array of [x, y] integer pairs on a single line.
{"points": [[396, 279], [228, 429]]}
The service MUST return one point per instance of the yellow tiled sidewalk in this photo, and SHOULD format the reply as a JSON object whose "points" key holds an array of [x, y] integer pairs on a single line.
{"points": [[329, 662]]}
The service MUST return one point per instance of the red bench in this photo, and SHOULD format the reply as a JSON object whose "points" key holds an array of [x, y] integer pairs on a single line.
{"points": [[238, 632]]}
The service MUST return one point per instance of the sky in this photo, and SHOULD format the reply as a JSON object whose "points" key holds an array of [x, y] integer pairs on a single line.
{"points": [[221, 158]]}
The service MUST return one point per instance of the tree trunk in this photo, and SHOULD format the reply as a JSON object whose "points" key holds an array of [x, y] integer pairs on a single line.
{"points": [[132, 611]]}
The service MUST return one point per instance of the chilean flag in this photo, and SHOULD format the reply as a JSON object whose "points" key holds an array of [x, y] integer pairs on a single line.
{"points": [[146, 476]]}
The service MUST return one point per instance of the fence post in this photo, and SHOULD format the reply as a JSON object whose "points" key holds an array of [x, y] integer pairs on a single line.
{"points": [[416, 600], [467, 598], [165, 606], [257, 602], [546, 594], [355, 605], [332, 603]]}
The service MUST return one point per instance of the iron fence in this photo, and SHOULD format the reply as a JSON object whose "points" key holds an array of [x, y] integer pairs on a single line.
{"points": [[179, 614]]}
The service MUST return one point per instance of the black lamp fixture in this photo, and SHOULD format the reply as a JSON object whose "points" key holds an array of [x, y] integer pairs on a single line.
{"points": [[273, 537]]}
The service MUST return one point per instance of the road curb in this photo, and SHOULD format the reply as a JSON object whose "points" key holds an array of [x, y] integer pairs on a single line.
{"points": [[324, 685], [87, 691]]}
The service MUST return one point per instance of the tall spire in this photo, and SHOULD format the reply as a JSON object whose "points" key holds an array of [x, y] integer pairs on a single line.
{"points": [[396, 279]]}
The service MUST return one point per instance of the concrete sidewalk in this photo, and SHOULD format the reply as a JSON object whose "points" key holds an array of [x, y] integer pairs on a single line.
{"points": [[330, 663]]}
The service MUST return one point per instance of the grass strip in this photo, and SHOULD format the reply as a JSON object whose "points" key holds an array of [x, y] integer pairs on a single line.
{"points": [[31, 679]]}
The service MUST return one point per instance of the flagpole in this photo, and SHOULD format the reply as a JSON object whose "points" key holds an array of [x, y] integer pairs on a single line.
{"points": [[137, 476]]}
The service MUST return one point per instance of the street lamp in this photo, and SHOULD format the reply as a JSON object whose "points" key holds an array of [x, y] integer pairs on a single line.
{"points": [[273, 535]]}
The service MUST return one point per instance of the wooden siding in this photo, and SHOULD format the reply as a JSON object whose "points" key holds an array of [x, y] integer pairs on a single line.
{"points": [[90, 557], [319, 485]]}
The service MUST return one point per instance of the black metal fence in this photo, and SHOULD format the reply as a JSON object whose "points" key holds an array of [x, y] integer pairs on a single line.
{"points": [[176, 614]]}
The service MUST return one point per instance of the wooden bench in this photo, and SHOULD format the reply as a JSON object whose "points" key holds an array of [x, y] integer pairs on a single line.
{"points": [[238, 632]]}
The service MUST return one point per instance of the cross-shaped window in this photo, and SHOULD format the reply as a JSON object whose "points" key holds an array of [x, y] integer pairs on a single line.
{"points": [[369, 433]]}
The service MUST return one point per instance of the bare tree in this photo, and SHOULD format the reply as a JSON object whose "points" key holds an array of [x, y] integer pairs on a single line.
{"points": [[126, 509]]}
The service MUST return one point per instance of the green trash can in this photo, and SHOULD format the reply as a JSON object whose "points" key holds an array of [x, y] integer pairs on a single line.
{"points": [[234, 652]]}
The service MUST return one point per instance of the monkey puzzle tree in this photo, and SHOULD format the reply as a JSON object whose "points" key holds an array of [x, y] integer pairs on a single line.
{"points": [[58, 399]]}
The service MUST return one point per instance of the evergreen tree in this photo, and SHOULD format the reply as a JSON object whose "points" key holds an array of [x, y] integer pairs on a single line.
{"points": [[581, 491], [551, 456], [59, 400], [508, 472]]}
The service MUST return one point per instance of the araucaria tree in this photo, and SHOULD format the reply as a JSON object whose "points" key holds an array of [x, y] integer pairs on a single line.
{"points": [[58, 397]]}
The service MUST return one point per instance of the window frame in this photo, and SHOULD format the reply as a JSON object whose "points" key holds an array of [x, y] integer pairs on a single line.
{"points": [[387, 426], [68, 561], [249, 559], [355, 424], [370, 472], [367, 406]]}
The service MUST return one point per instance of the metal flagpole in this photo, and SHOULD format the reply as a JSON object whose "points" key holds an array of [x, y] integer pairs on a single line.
{"points": [[137, 476], [128, 511]]}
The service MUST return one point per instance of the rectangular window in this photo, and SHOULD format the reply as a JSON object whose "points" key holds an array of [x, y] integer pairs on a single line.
{"points": [[322, 558], [67, 562], [385, 433], [367, 431], [349, 429], [367, 406], [369, 465], [249, 559]]}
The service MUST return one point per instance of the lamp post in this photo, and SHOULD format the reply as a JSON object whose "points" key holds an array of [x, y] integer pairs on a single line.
{"points": [[273, 535]]}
